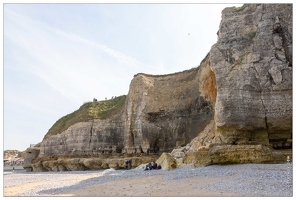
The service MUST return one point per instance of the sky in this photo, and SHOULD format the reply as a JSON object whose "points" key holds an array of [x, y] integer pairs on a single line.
{"points": [[58, 56]]}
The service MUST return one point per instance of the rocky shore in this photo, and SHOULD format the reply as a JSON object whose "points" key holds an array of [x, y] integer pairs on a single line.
{"points": [[273, 180]]}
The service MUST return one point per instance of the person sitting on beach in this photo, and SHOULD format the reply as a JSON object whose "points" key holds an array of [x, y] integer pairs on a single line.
{"points": [[154, 165], [159, 167], [148, 167]]}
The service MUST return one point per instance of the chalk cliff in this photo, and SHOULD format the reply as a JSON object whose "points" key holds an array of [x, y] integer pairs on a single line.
{"points": [[236, 107], [161, 112], [252, 63]]}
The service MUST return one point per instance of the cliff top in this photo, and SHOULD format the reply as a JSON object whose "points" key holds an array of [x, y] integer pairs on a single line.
{"points": [[88, 111], [165, 75]]}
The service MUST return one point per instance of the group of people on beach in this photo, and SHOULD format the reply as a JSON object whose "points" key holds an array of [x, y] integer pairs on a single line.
{"points": [[151, 166]]}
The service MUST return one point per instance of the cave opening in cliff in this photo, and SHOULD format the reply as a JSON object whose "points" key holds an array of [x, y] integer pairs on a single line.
{"points": [[157, 146]]}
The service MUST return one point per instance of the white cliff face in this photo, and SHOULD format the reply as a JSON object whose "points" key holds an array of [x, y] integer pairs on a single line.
{"points": [[252, 61], [86, 138], [166, 111]]}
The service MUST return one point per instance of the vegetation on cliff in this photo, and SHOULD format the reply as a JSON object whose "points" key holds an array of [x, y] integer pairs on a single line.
{"points": [[88, 111]]}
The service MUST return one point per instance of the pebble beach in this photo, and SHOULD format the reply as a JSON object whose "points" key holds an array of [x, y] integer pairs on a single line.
{"points": [[245, 180]]}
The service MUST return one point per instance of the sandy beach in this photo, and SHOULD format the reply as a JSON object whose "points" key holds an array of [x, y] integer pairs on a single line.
{"points": [[212, 181], [150, 186]]}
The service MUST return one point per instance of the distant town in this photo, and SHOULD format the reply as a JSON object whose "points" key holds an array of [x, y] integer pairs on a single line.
{"points": [[14, 159]]}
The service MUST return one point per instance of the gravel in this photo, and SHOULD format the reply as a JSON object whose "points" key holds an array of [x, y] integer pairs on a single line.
{"points": [[246, 179]]}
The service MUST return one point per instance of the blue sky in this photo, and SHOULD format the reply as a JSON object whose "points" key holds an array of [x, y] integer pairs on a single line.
{"points": [[58, 56]]}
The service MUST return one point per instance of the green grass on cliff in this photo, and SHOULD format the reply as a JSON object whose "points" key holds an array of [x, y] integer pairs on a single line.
{"points": [[88, 111]]}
